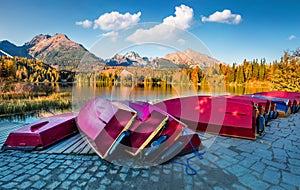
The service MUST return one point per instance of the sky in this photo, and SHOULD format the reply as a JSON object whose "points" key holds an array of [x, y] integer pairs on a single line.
{"points": [[228, 30]]}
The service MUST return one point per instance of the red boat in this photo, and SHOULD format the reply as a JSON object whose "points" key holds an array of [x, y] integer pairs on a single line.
{"points": [[264, 107], [217, 115], [118, 131], [294, 97], [43, 133]]}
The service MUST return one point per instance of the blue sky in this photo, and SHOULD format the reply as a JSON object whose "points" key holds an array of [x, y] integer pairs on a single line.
{"points": [[231, 30]]}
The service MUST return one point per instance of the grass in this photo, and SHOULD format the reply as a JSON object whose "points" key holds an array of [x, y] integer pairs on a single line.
{"points": [[28, 104]]}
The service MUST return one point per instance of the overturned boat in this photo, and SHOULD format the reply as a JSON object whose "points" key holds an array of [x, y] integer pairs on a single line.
{"points": [[283, 105], [217, 115], [42, 133], [264, 107], [294, 97], [121, 131]]}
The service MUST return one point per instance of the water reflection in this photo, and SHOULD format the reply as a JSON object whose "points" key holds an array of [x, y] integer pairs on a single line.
{"points": [[82, 92]]}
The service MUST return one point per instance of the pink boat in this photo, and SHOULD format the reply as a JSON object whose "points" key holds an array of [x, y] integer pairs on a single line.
{"points": [[294, 97], [118, 131], [264, 107], [42, 133], [217, 115]]}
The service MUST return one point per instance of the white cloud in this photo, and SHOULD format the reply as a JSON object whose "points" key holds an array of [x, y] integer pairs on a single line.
{"points": [[168, 29], [292, 37], [223, 17], [112, 35], [181, 41], [85, 24], [182, 19], [116, 21]]}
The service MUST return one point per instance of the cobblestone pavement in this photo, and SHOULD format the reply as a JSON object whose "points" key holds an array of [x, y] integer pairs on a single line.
{"points": [[270, 162]]}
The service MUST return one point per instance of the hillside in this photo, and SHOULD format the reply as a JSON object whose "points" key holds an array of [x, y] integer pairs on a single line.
{"points": [[19, 69], [57, 50], [13, 50], [192, 58]]}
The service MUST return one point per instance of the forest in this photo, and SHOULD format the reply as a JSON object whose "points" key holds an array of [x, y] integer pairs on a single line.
{"points": [[279, 75]]}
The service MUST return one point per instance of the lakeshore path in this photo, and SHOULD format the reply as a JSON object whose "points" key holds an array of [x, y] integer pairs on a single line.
{"points": [[270, 162]]}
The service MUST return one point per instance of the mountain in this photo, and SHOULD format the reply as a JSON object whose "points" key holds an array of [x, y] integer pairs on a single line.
{"points": [[129, 59], [135, 60], [192, 58], [62, 53], [187, 59], [57, 50], [13, 50]]}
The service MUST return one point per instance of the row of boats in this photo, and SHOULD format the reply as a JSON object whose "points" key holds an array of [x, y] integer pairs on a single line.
{"points": [[155, 133]]}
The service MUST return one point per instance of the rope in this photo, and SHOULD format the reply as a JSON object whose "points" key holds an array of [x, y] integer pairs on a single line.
{"points": [[187, 165]]}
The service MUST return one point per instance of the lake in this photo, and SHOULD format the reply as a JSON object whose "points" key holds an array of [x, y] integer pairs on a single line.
{"points": [[83, 92]]}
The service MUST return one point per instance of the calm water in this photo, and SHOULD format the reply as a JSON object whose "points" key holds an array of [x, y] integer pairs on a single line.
{"points": [[83, 92]]}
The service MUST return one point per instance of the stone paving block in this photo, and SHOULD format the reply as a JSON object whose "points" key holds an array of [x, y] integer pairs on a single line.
{"points": [[288, 186], [86, 176], [24, 185], [294, 169], [154, 178], [4, 168], [223, 163], [100, 174], [277, 165], [29, 166], [67, 162], [48, 161], [63, 176], [44, 172], [272, 176], [39, 184], [18, 172], [291, 179], [21, 178], [123, 176], [237, 170], [41, 166], [258, 167], [103, 167], [294, 155], [294, 161], [21, 160], [9, 185], [16, 167], [8, 178], [53, 165], [135, 173], [81, 183], [65, 185], [252, 182], [266, 154], [35, 178], [230, 159], [33, 171], [239, 187], [74, 176], [81, 170], [105, 181], [53, 185], [113, 171], [69, 170], [247, 162], [227, 152]]}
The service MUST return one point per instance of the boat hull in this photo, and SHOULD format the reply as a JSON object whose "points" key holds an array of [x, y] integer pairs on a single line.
{"points": [[143, 133], [294, 97], [214, 115], [43, 133]]}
